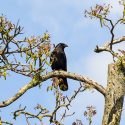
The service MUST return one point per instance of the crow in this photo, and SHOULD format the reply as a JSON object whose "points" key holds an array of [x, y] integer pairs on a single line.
{"points": [[58, 61]]}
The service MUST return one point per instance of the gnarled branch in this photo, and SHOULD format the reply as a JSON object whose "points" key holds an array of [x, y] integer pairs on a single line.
{"points": [[37, 80]]}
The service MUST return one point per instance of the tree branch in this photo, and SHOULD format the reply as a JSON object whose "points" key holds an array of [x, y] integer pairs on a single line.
{"points": [[37, 80], [106, 46], [5, 122], [77, 77], [43, 113]]}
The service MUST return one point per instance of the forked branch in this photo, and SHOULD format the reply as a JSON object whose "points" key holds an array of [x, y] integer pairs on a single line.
{"points": [[106, 46]]}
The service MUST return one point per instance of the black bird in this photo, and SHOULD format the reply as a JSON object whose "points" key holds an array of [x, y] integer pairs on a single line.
{"points": [[59, 62]]}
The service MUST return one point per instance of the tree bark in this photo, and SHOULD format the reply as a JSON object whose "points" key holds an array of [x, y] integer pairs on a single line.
{"points": [[37, 80], [114, 97]]}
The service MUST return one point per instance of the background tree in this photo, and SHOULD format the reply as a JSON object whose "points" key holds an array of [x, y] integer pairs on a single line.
{"points": [[29, 57]]}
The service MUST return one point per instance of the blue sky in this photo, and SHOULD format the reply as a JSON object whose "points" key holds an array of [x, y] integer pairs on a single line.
{"points": [[65, 22]]}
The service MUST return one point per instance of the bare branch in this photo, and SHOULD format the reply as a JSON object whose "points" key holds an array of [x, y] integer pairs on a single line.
{"points": [[106, 46], [30, 85], [37, 80], [43, 113], [5, 122], [28, 115]]}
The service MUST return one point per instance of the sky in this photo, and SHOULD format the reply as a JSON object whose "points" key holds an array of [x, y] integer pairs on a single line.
{"points": [[65, 22]]}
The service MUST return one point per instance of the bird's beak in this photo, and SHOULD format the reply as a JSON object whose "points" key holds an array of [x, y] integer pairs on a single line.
{"points": [[66, 45]]}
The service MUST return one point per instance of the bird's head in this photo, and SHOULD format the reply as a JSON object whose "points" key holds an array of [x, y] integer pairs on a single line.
{"points": [[61, 45]]}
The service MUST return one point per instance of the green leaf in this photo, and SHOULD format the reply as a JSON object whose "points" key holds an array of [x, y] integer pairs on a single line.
{"points": [[49, 88], [21, 54], [4, 74], [101, 21], [27, 57], [124, 11], [35, 59], [31, 67], [47, 63]]}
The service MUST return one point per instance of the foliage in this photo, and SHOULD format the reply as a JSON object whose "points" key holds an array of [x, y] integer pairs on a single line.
{"points": [[24, 56], [30, 56]]}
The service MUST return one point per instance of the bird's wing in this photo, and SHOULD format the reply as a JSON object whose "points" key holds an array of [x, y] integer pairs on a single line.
{"points": [[58, 61], [62, 61]]}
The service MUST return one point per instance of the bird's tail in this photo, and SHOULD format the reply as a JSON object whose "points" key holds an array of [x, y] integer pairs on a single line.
{"points": [[63, 85]]}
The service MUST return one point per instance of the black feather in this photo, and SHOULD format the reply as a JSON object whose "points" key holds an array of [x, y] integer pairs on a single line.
{"points": [[59, 62]]}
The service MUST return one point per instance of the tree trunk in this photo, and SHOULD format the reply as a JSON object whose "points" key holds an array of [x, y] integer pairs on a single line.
{"points": [[114, 95]]}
